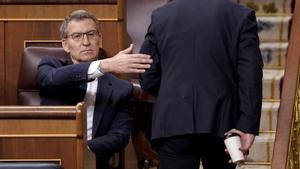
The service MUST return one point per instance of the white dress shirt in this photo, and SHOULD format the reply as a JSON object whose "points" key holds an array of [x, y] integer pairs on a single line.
{"points": [[94, 72]]}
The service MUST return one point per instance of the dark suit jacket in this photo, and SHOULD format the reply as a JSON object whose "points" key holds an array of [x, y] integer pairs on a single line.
{"points": [[63, 83], [207, 70]]}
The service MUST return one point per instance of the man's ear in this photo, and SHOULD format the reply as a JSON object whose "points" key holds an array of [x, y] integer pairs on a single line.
{"points": [[65, 45]]}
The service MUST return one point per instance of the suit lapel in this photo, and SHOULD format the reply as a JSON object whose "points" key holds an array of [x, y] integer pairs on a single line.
{"points": [[104, 92]]}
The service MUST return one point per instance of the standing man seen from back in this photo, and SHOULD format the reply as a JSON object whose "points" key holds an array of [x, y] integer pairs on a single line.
{"points": [[207, 77], [83, 77]]}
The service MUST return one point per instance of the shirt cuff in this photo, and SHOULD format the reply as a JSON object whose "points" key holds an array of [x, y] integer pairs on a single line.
{"points": [[94, 70]]}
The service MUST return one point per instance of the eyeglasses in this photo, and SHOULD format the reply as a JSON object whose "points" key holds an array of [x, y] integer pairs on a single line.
{"points": [[91, 35]]}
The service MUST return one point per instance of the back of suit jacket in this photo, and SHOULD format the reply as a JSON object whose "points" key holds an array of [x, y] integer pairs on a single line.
{"points": [[207, 68]]}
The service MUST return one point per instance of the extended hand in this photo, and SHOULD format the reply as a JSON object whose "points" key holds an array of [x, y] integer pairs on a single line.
{"points": [[126, 62]]}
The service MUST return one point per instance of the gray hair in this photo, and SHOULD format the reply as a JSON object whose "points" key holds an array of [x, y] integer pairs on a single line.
{"points": [[77, 15]]}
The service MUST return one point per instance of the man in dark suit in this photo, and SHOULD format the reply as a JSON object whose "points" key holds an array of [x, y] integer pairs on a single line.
{"points": [[85, 78], [207, 77]]}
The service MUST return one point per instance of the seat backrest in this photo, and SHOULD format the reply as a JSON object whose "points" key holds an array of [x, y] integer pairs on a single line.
{"points": [[27, 87]]}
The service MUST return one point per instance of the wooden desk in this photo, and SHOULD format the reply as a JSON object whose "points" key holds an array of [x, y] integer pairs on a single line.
{"points": [[43, 134]]}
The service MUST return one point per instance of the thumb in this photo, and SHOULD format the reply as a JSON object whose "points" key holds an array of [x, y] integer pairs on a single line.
{"points": [[127, 50]]}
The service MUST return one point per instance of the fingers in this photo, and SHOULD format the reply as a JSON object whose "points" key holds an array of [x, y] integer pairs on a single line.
{"points": [[127, 50], [140, 58], [139, 63], [245, 151], [138, 68], [246, 140], [125, 62], [226, 151], [135, 70], [232, 131]]}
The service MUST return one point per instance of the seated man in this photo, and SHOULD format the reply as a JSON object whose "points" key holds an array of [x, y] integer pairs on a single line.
{"points": [[85, 78]]}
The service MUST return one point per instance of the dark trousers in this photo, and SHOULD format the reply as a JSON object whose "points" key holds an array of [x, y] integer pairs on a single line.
{"points": [[102, 163], [185, 152]]}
